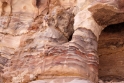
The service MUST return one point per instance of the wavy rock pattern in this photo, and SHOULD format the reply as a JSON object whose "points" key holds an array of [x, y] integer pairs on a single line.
{"points": [[35, 35]]}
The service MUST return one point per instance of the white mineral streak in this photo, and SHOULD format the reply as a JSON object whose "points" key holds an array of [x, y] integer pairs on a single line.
{"points": [[63, 81]]}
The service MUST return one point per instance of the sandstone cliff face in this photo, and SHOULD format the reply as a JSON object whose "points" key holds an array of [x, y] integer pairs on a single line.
{"points": [[36, 44]]}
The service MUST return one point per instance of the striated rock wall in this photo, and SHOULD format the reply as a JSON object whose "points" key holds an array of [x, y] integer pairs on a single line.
{"points": [[36, 44]]}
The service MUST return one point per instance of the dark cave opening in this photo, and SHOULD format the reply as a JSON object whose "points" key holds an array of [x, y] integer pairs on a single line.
{"points": [[111, 53], [114, 28]]}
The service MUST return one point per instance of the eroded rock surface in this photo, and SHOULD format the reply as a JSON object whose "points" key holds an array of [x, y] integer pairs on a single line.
{"points": [[35, 34]]}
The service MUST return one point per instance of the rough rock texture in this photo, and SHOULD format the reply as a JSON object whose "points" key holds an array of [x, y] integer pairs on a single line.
{"points": [[35, 34], [111, 53]]}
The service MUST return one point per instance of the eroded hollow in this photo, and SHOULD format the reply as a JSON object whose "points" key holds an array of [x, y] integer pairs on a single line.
{"points": [[111, 53], [4, 5], [38, 3]]}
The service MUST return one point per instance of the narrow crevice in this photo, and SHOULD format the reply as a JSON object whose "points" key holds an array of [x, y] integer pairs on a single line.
{"points": [[70, 38]]}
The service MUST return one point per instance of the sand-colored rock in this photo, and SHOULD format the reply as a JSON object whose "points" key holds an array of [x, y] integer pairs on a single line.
{"points": [[37, 34]]}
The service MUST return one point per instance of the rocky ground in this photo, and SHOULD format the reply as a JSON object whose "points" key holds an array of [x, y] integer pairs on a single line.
{"points": [[111, 54]]}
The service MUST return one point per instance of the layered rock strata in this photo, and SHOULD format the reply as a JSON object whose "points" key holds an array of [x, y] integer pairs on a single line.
{"points": [[53, 41]]}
